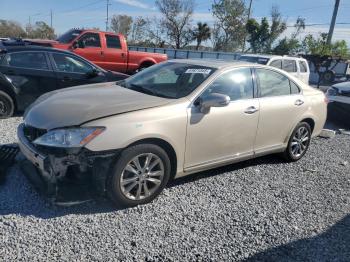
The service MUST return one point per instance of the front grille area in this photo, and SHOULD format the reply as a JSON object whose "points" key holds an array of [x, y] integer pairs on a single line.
{"points": [[33, 133]]}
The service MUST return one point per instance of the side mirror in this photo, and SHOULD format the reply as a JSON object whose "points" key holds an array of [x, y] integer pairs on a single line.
{"points": [[78, 44], [92, 73], [213, 100]]}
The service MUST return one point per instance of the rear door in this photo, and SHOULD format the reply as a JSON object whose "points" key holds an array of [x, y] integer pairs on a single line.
{"points": [[30, 73], [90, 47], [115, 58], [304, 71], [281, 105], [72, 71]]}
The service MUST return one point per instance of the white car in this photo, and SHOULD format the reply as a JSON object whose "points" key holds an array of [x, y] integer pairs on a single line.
{"points": [[296, 66], [339, 98]]}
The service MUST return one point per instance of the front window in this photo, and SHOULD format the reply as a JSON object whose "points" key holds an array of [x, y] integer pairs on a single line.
{"points": [[170, 80], [68, 64], [237, 84], [90, 40], [254, 59], [69, 36]]}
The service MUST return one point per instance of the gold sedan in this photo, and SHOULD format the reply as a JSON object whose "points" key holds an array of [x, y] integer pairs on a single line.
{"points": [[170, 120]]}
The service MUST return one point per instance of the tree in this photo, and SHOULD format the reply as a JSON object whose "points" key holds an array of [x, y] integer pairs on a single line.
{"points": [[40, 30], [176, 21], [139, 29], [262, 36], [11, 29], [292, 45], [319, 46], [228, 32], [201, 33], [121, 24]]}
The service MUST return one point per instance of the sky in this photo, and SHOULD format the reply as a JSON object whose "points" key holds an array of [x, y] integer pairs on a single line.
{"points": [[92, 13]]}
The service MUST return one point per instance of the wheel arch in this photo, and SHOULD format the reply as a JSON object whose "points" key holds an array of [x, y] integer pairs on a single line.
{"points": [[166, 146], [10, 92]]}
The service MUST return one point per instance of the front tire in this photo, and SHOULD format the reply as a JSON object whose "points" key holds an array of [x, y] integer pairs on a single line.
{"points": [[139, 175], [298, 142], [7, 106]]}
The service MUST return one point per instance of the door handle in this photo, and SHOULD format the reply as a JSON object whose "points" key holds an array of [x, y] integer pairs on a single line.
{"points": [[298, 102], [122, 54], [10, 72], [102, 53], [66, 79], [251, 110]]}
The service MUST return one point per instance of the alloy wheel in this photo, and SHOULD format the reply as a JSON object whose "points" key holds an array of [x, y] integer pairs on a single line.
{"points": [[300, 142], [142, 176]]}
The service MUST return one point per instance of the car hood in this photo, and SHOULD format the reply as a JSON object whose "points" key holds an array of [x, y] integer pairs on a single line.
{"points": [[78, 105], [343, 87]]}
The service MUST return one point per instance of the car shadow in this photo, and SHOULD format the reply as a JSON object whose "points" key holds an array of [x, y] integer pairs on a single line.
{"points": [[331, 245], [19, 196]]}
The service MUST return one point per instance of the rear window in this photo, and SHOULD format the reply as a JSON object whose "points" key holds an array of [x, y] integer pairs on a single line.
{"points": [[289, 66], [30, 60], [276, 63], [113, 42], [303, 66], [255, 59]]}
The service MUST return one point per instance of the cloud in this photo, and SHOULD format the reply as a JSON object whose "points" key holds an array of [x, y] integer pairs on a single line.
{"points": [[134, 3]]}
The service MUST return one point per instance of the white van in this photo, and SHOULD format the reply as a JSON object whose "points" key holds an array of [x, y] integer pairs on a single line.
{"points": [[296, 66]]}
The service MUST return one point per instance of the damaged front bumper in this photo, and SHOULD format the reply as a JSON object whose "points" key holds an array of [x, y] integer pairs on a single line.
{"points": [[65, 175]]}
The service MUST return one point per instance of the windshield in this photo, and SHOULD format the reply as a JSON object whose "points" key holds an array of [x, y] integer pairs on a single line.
{"points": [[170, 79], [254, 59], [69, 36]]}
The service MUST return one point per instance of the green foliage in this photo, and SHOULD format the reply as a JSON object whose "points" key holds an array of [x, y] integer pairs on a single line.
{"points": [[40, 30], [262, 36], [11, 29], [229, 28], [319, 46], [201, 33]]}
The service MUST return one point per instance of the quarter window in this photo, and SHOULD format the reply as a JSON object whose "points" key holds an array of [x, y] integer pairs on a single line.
{"points": [[277, 63], [303, 66], [30, 60], [289, 66], [237, 84], [69, 64], [294, 89], [113, 42], [91, 40], [272, 83]]}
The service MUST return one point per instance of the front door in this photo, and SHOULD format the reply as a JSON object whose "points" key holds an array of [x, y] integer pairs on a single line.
{"points": [[73, 71], [89, 47], [224, 133]]}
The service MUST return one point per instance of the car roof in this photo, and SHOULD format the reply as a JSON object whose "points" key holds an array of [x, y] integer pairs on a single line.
{"points": [[19, 48], [212, 63], [272, 56]]}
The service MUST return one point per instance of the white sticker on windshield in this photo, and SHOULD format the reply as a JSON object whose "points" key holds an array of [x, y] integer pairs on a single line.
{"points": [[198, 71]]}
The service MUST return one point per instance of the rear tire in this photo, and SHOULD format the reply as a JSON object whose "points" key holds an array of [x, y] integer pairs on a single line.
{"points": [[298, 142], [7, 106], [139, 175]]}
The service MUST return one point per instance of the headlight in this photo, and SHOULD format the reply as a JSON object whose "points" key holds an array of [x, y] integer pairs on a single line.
{"points": [[70, 137], [332, 91]]}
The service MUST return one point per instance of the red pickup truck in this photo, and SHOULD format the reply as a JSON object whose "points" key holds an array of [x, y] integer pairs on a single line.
{"points": [[105, 49]]}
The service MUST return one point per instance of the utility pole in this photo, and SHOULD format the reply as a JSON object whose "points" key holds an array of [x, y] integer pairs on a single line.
{"points": [[245, 33], [334, 18], [107, 19], [51, 18]]}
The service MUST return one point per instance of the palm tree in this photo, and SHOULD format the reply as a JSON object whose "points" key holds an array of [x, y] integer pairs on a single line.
{"points": [[201, 33]]}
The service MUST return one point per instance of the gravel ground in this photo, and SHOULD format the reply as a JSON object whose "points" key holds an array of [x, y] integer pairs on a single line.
{"points": [[260, 210]]}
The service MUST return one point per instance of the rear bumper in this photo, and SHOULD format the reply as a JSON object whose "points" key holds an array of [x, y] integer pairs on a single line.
{"points": [[58, 175]]}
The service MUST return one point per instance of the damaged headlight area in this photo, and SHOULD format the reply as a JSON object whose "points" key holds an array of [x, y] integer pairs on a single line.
{"points": [[332, 91], [69, 137]]}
